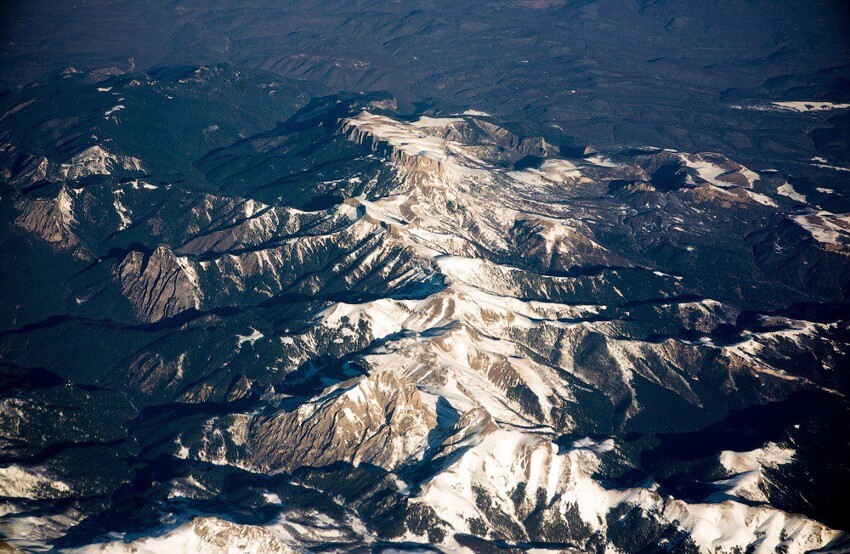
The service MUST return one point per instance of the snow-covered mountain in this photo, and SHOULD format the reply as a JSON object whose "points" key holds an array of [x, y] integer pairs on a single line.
{"points": [[360, 329]]}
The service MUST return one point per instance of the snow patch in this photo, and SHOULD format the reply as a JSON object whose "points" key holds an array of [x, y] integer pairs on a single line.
{"points": [[826, 227], [476, 113], [19, 482], [806, 106], [112, 110], [787, 190], [252, 338]]}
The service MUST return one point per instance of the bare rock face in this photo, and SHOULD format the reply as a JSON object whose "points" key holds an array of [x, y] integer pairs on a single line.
{"points": [[159, 285], [377, 419], [52, 220], [419, 153], [95, 160]]}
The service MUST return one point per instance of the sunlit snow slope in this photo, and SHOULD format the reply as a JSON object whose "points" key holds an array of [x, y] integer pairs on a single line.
{"points": [[362, 330]]}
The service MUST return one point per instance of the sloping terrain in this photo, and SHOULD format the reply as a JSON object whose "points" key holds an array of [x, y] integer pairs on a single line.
{"points": [[358, 329]]}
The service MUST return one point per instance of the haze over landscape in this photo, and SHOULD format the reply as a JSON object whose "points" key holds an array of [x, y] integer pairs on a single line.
{"points": [[383, 276]]}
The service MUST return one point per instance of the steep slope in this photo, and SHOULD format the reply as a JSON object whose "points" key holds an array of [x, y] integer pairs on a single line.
{"points": [[361, 330]]}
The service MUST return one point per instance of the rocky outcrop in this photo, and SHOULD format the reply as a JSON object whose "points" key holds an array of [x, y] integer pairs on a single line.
{"points": [[159, 284], [51, 219], [95, 160], [377, 419]]}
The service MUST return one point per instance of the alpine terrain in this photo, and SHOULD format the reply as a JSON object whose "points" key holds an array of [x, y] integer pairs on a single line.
{"points": [[270, 307]]}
